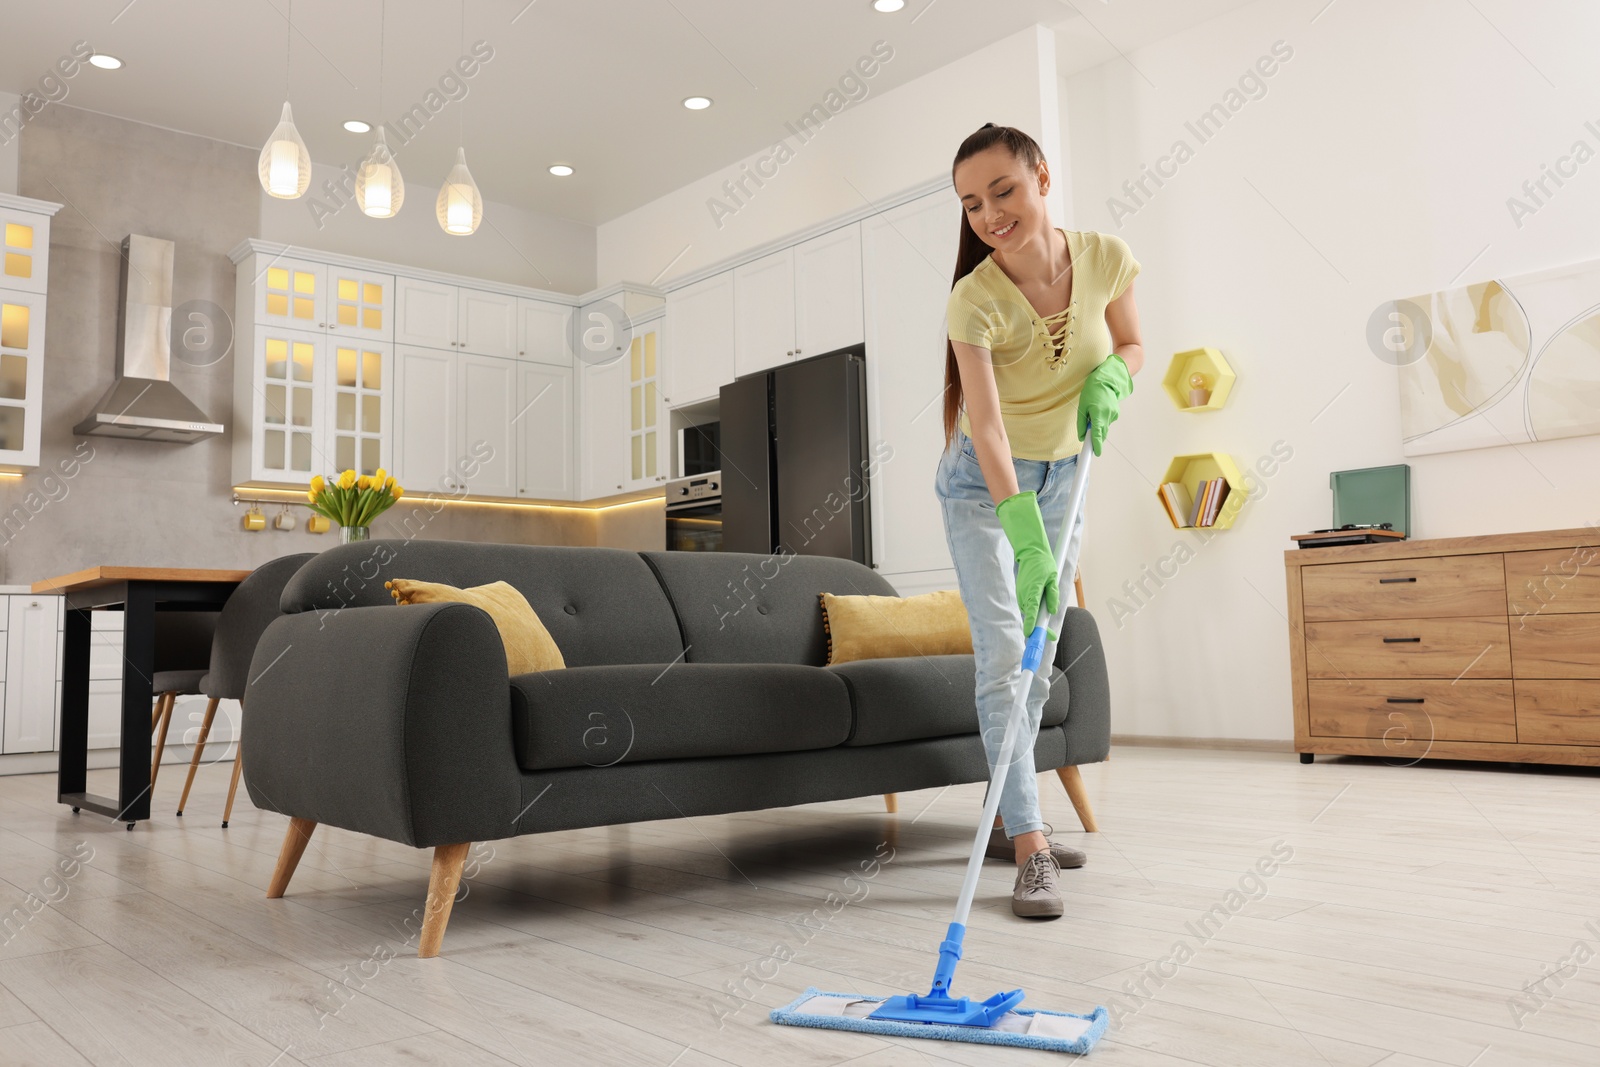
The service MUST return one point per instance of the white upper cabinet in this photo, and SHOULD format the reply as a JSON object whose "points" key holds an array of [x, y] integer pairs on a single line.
{"points": [[543, 332], [827, 292], [603, 399], [278, 401], [544, 431], [425, 314], [298, 294], [438, 315], [702, 339], [763, 313], [360, 304], [487, 323], [24, 247], [802, 301]]}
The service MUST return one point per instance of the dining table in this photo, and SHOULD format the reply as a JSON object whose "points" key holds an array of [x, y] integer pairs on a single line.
{"points": [[138, 592]]}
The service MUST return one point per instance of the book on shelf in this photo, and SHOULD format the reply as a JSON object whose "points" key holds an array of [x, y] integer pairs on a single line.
{"points": [[1218, 497], [1178, 503]]}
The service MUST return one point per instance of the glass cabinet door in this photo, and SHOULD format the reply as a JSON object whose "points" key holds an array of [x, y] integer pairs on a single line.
{"points": [[646, 452], [287, 401], [362, 304], [24, 251], [21, 375], [359, 397], [290, 293]]}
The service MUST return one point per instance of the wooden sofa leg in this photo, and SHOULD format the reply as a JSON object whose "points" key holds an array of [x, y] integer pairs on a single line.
{"points": [[891, 802], [294, 846], [443, 881], [1073, 782]]}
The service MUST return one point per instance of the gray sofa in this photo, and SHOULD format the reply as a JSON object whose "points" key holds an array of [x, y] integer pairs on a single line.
{"points": [[694, 685]]}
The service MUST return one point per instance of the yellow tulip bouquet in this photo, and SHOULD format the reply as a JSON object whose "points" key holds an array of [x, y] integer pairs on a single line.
{"points": [[353, 500]]}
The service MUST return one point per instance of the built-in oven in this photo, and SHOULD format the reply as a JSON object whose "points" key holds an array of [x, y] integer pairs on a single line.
{"points": [[694, 513]]}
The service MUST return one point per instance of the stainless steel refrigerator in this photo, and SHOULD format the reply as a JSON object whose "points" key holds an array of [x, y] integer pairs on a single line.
{"points": [[795, 474]]}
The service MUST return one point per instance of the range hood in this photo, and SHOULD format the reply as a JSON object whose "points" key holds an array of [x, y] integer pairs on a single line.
{"points": [[142, 402]]}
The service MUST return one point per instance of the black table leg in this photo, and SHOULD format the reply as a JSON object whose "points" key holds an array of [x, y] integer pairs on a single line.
{"points": [[72, 771], [138, 695]]}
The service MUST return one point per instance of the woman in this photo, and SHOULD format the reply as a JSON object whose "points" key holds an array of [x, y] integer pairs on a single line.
{"points": [[1044, 340]]}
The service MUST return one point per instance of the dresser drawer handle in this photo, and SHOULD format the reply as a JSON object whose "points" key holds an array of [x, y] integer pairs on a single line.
{"points": [[1405, 700], [1401, 640], [1389, 581]]}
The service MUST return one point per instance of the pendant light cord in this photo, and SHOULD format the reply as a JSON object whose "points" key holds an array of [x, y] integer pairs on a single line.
{"points": [[383, 23], [461, 108], [288, 47]]}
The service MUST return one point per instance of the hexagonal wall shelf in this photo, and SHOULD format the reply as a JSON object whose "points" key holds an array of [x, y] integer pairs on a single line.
{"points": [[1204, 361], [1193, 470]]}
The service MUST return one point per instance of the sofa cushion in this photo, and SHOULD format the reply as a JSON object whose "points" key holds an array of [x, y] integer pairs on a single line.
{"points": [[922, 696], [743, 607], [600, 716], [529, 646], [885, 627], [602, 605]]}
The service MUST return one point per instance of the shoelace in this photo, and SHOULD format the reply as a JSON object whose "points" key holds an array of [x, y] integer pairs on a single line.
{"points": [[1040, 871]]}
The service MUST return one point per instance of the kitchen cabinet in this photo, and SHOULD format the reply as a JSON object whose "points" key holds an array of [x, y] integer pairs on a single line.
{"points": [[25, 243], [457, 419], [763, 313], [426, 414], [603, 399], [298, 294], [24, 278], [802, 301], [359, 409], [702, 317], [827, 292], [486, 413], [284, 405], [22, 318], [544, 332], [904, 250], [488, 323], [437, 315], [544, 432], [31, 649]]}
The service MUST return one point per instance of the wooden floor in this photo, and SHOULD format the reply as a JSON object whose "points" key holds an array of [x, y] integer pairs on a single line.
{"points": [[1415, 906]]}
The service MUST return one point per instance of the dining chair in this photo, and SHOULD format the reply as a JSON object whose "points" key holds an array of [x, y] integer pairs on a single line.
{"points": [[249, 610], [183, 654]]}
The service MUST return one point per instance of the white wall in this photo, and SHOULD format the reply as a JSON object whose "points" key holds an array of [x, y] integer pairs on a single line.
{"points": [[1377, 165], [512, 244], [886, 143]]}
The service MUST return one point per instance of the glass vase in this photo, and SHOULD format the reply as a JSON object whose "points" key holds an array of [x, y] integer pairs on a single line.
{"points": [[349, 534]]}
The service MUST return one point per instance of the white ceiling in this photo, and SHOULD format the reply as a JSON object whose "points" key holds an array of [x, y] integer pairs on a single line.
{"points": [[596, 84]]}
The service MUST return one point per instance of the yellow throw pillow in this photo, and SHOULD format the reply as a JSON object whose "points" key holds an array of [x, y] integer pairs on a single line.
{"points": [[884, 627], [529, 646]]}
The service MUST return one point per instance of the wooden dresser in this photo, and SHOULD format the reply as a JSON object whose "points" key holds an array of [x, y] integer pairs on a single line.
{"points": [[1484, 648]]}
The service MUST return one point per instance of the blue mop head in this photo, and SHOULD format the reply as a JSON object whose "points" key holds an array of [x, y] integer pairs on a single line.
{"points": [[1048, 1031]]}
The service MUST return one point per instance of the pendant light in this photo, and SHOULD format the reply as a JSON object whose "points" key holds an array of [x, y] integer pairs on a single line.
{"points": [[460, 205], [379, 187], [285, 166]]}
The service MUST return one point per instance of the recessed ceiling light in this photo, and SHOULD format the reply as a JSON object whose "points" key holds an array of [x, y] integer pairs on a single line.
{"points": [[357, 126], [697, 103], [887, 7], [560, 170], [105, 62]]}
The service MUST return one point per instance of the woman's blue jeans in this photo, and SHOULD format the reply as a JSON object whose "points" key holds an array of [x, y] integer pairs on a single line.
{"points": [[985, 572]]}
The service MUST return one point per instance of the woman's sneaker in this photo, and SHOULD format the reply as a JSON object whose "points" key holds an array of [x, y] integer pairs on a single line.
{"points": [[1001, 848], [1036, 894]]}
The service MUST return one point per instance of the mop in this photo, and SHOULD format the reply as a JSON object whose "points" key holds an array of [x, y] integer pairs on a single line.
{"points": [[936, 1014]]}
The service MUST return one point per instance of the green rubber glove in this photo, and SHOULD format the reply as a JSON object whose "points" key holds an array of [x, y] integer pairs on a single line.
{"points": [[1036, 564], [1107, 386]]}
